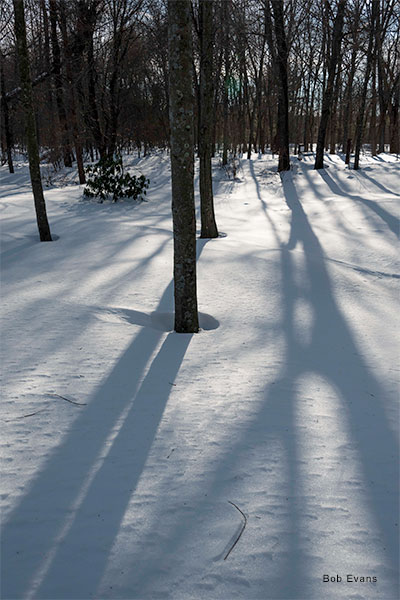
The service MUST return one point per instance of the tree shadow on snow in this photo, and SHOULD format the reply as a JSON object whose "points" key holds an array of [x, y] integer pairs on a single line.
{"points": [[330, 352], [333, 354], [391, 221], [76, 503]]}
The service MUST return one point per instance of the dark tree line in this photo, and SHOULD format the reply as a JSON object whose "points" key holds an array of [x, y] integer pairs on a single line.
{"points": [[300, 72]]}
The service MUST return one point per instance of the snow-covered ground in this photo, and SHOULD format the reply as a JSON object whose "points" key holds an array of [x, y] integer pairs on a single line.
{"points": [[128, 450]]}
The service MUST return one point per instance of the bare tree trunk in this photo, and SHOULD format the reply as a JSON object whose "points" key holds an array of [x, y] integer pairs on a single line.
{"points": [[181, 110], [394, 120], [93, 110], [251, 131], [279, 55], [58, 84], [283, 94], [370, 59], [372, 124], [72, 93], [208, 223], [88, 13], [33, 150], [329, 90], [48, 68], [241, 117], [225, 134], [347, 101], [334, 116], [216, 102], [348, 150], [6, 117], [306, 114]]}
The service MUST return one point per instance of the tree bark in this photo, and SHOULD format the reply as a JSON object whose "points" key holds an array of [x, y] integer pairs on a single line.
{"points": [[225, 101], [348, 150], [208, 223], [279, 53], [88, 13], [347, 100], [329, 90], [181, 109], [394, 120], [30, 126], [58, 84], [334, 115], [368, 68], [6, 117], [372, 122], [69, 54]]}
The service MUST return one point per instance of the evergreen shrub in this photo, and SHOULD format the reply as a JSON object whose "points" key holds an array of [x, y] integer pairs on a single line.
{"points": [[107, 179]]}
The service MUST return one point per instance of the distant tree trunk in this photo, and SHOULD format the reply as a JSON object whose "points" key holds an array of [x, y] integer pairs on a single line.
{"points": [[26, 97], [370, 60], [88, 13], [283, 93], [249, 103], [347, 99], [181, 110], [51, 125], [118, 52], [329, 90], [241, 115], [71, 73], [58, 84], [251, 132], [279, 54], [372, 123], [225, 100], [208, 224], [382, 84], [394, 120], [216, 102], [93, 111], [6, 117], [307, 113], [348, 150], [383, 103], [334, 116]]}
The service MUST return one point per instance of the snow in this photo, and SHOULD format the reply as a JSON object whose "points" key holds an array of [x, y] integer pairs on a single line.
{"points": [[125, 446]]}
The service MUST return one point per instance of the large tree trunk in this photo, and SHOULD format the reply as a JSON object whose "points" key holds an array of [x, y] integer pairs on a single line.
{"points": [[283, 93], [26, 96], [329, 90], [208, 224], [181, 110], [279, 53]]}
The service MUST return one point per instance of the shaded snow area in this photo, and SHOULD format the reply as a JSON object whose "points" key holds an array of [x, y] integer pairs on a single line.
{"points": [[130, 452]]}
